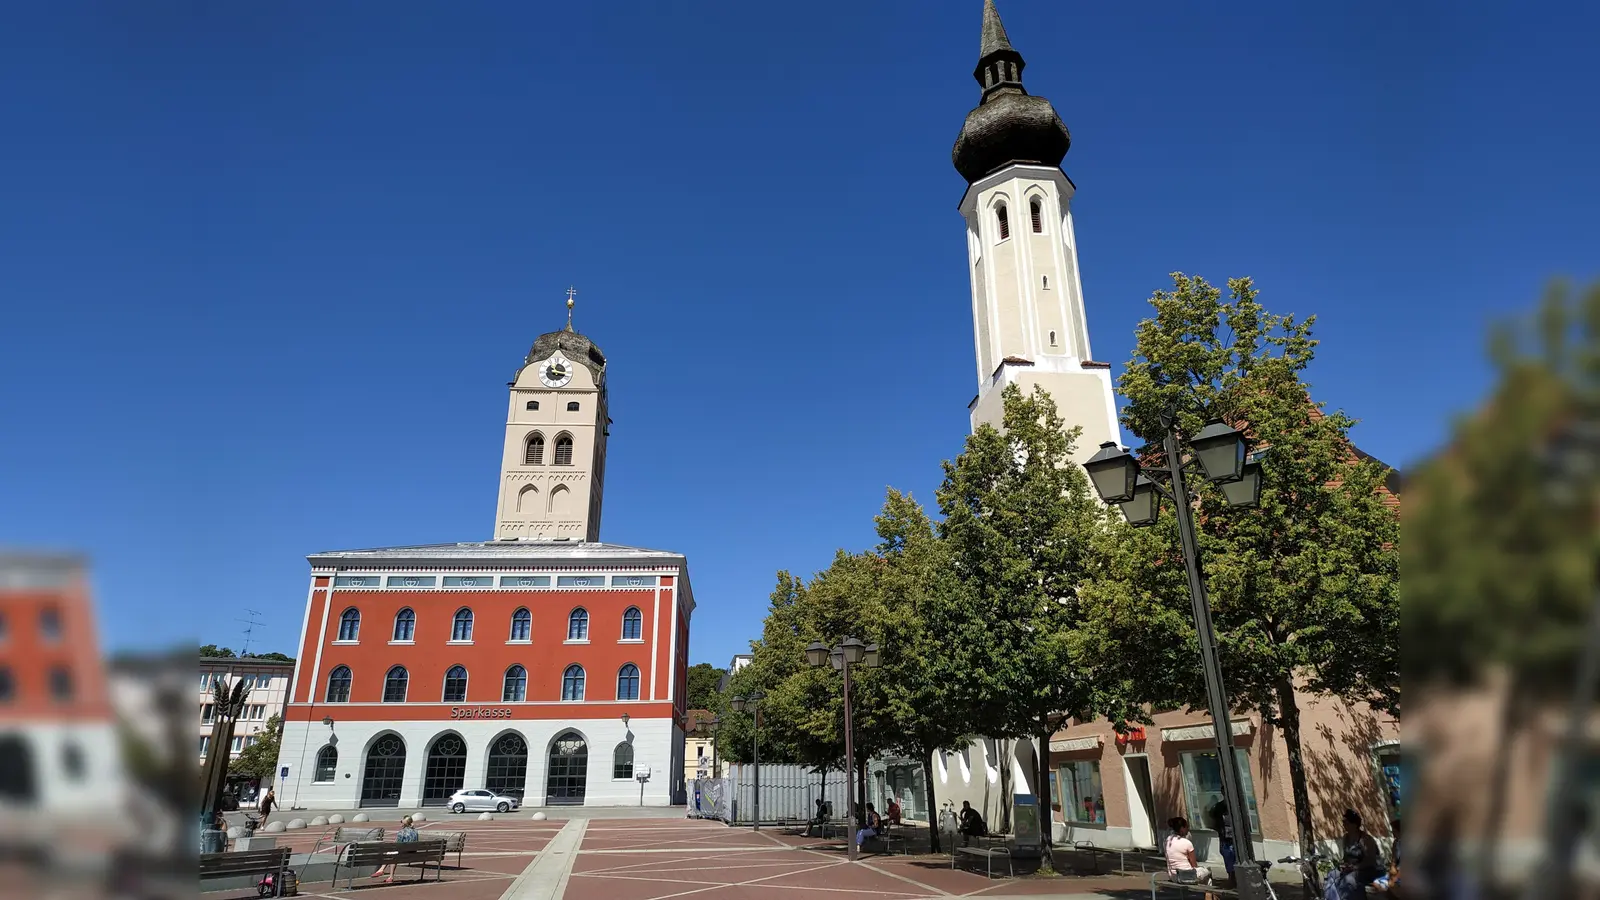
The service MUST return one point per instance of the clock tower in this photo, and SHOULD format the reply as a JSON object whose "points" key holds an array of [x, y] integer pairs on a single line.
{"points": [[552, 471]]}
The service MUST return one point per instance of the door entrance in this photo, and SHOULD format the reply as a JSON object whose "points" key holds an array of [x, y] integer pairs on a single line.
{"points": [[446, 771], [384, 772], [18, 779], [1143, 807], [568, 773]]}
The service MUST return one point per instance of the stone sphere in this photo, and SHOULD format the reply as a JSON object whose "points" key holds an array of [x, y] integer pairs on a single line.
{"points": [[296, 824], [319, 820], [360, 817], [485, 817], [273, 827], [538, 817], [336, 819], [418, 817], [235, 832]]}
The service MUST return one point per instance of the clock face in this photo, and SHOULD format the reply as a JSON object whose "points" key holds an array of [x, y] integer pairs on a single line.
{"points": [[556, 372]]}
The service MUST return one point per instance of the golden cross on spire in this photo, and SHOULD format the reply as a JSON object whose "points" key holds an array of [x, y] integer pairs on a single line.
{"points": [[571, 293]]}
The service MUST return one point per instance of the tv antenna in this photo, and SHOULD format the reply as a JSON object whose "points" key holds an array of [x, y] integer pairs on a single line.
{"points": [[250, 625]]}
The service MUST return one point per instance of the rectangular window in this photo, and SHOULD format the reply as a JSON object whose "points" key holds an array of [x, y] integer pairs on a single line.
{"points": [[1202, 788], [700, 750], [238, 743], [355, 581], [581, 581], [1081, 797], [461, 581], [412, 581], [207, 713], [249, 682], [524, 580], [633, 581], [1390, 772], [205, 743], [205, 682]]}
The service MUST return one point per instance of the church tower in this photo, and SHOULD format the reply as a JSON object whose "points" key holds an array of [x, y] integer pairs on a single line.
{"points": [[1027, 300], [552, 473]]}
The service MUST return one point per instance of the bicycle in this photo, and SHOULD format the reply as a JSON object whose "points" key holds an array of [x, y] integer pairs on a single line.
{"points": [[1308, 867]]}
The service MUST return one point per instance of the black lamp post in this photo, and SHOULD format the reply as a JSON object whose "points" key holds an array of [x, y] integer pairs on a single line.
{"points": [[1222, 454], [712, 724], [849, 652], [753, 703]]}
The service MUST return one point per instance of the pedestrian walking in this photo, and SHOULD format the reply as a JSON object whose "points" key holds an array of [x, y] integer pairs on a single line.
{"points": [[267, 803]]}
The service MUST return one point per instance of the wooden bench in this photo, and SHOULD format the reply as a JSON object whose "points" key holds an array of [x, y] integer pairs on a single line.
{"points": [[272, 862], [454, 842], [374, 856], [1160, 880], [353, 834], [886, 841], [988, 855]]}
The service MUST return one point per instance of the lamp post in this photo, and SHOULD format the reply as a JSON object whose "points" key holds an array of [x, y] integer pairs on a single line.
{"points": [[753, 703], [1223, 457], [712, 724], [849, 652]]}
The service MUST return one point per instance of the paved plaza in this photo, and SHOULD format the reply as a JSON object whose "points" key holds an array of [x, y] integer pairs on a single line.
{"points": [[654, 858]]}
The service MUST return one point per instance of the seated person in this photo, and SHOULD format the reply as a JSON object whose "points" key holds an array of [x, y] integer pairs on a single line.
{"points": [[1362, 862], [894, 812], [820, 818], [971, 823], [1182, 866], [873, 825]]}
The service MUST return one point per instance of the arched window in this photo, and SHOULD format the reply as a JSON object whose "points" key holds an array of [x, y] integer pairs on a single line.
{"points": [[462, 629], [533, 455], [622, 761], [578, 625], [572, 406], [632, 624], [327, 765], [405, 625], [455, 685], [394, 685], [339, 685], [533, 405], [521, 625], [628, 682], [1052, 338], [572, 683], [516, 685], [349, 624], [1037, 214], [1003, 220], [564, 450]]}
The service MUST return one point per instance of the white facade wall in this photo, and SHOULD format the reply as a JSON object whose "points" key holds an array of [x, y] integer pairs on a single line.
{"points": [[94, 788], [657, 746]]}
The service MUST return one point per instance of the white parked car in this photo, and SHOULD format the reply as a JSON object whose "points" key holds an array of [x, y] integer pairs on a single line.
{"points": [[461, 801]]}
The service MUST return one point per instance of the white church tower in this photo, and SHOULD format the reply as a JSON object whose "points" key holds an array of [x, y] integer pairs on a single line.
{"points": [[1027, 300], [553, 468]]}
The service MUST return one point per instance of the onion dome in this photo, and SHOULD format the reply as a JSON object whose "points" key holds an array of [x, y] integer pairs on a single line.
{"points": [[1009, 125]]}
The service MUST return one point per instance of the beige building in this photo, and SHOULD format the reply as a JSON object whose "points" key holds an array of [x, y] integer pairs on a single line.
{"points": [[268, 682], [699, 750]]}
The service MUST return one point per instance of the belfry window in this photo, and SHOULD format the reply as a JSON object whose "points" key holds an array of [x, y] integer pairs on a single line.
{"points": [[572, 406], [564, 450], [533, 405], [1003, 221], [534, 455], [1038, 217]]}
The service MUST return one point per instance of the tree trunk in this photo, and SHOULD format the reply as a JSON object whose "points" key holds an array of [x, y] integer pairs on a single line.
{"points": [[1499, 776], [1047, 819], [933, 810], [1002, 752], [1289, 715], [861, 793]]}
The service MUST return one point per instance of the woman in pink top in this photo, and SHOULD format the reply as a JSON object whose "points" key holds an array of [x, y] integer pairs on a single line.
{"points": [[1181, 864]]}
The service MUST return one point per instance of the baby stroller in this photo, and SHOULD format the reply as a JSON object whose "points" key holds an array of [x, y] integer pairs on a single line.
{"points": [[268, 886]]}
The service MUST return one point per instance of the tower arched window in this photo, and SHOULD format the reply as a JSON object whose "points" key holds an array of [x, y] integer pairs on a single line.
{"points": [[394, 685], [1037, 214], [521, 625], [572, 406], [578, 625], [338, 685], [564, 450], [405, 625], [533, 455], [632, 624], [1003, 221], [455, 685], [350, 624], [327, 765], [628, 682], [461, 630], [515, 689], [572, 683]]}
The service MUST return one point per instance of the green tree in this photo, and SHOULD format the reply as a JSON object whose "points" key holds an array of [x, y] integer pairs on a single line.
{"points": [[1019, 520], [703, 681], [1304, 588], [270, 657], [212, 650], [260, 759]]}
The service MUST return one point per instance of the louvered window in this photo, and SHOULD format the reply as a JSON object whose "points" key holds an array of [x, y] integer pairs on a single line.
{"points": [[535, 452], [572, 406], [1005, 222], [563, 451], [1038, 217]]}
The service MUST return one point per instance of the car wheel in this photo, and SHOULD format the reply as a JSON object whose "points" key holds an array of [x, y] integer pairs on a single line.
{"points": [[503, 807], [459, 808]]}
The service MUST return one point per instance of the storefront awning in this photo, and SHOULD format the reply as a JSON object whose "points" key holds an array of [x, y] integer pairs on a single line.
{"points": [[1205, 732], [1076, 744]]}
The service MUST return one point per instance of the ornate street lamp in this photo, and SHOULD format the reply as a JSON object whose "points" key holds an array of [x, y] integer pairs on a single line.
{"points": [[1223, 456], [848, 652], [753, 703]]}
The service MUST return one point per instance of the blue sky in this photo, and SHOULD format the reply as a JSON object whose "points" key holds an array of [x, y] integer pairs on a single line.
{"points": [[265, 270]]}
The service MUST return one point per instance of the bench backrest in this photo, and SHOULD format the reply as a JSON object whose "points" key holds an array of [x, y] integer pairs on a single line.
{"points": [[345, 835], [243, 862], [393, 852], [454, 841]]}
